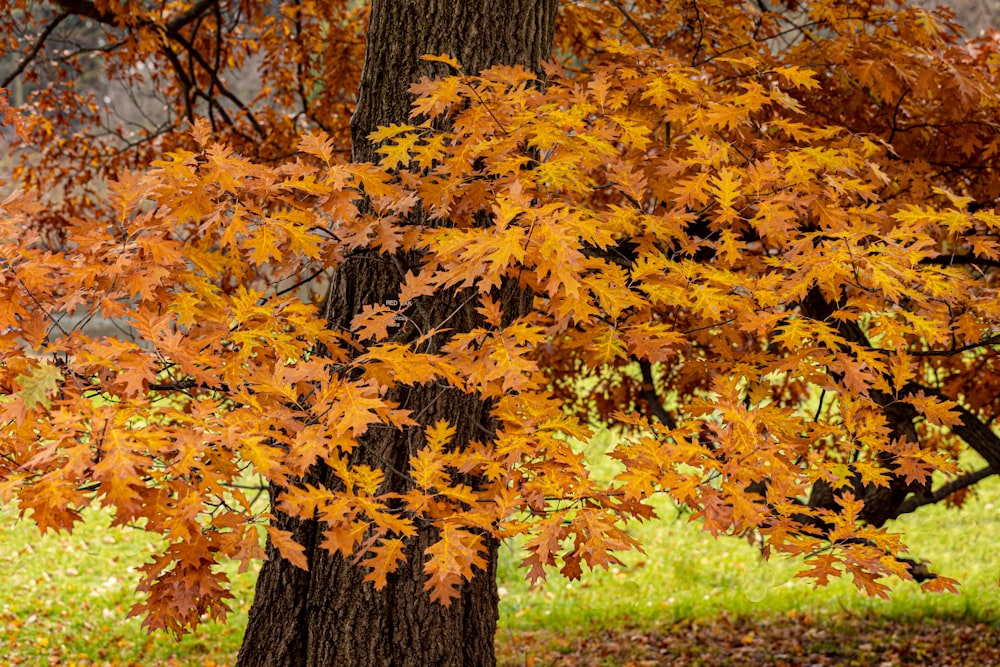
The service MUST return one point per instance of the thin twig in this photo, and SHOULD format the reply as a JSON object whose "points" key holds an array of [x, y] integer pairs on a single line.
{"points": [[34, 49], [633, 23]]}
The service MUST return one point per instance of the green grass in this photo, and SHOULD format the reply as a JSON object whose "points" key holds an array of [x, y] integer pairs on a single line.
{"points": [[64, 598], [687, 574]]}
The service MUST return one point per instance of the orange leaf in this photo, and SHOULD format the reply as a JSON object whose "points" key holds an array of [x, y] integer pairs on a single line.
{"points": [[383, 559], [288, 547], [443, 58]]}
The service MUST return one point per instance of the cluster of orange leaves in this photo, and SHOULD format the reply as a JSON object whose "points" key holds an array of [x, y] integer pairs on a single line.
{"points": [[672, 202]]}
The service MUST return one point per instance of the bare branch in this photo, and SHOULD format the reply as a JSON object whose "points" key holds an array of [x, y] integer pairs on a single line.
{"points": [[950, 352], [913, 502], [189, 15], [652, 398], [89, 10], [633, 23], [955, 260], [171, 29], [216, 81], [35, 48]]}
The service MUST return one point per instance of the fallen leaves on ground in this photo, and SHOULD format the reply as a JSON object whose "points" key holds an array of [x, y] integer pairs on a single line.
{"points": [[793, 640]]}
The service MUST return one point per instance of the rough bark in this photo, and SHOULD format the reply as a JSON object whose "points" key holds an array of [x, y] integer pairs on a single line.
{"points": [[328, 616], [881, 502]]}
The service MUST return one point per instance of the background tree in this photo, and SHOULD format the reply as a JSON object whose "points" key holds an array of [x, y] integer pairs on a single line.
{"points": [[974, 15], [762, 244]]}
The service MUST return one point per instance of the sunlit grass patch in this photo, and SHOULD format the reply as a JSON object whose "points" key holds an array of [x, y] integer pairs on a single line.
{"points": [[64, 599], [687, 574]]}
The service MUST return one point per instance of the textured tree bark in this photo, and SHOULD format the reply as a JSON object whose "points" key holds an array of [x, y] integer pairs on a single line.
{"points": [[329, 617]]}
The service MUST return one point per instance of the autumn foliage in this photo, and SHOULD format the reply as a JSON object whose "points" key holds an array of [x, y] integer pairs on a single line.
{"points": [[763, 245]]}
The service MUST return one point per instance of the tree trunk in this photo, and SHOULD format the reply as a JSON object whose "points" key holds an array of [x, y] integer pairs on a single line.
{"points": [[328, 616]]}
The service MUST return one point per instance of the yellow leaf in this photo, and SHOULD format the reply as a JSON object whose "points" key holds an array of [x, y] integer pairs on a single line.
{"points": [[608, 347], [798, 77], [384, 558], [398, 153], [725, 186], [389, 131], [38, 384], [443, 58], [439, 435], [318, 144], [373, 322]]}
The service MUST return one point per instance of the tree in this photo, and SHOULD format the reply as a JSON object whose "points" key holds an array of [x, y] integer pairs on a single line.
{"points": [[343, 621], [760, 241]]}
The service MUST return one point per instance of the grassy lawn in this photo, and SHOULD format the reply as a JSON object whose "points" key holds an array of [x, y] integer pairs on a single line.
{"points": [[63, 598], [687, 574]]}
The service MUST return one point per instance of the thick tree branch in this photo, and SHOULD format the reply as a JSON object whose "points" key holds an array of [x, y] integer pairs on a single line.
{"points": [[88, 9], [913, 502], [972, 430], [880, 502], [964, 260], [652, 398], [190, 14]]}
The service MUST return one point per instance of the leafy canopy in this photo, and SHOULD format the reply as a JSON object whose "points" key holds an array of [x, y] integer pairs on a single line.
{"points": [[763, 242]]}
